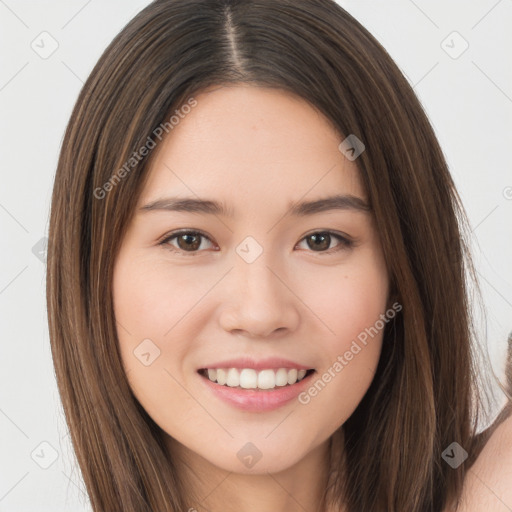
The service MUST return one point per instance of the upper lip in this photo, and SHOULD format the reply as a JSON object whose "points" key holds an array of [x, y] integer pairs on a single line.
{"points": [[261, 364]]}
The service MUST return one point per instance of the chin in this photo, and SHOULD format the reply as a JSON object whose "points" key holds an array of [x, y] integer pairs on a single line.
{"points": [[258, 457]]}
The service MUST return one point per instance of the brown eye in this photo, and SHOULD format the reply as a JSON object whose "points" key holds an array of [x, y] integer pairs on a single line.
{"points": [[190, 242], [186, 241], [321, 241]]}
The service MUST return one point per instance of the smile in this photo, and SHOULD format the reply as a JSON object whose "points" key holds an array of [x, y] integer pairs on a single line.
{"points": [[248, 378], [275, 391]]}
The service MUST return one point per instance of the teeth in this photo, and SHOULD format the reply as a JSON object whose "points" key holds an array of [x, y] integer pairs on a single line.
{"points": [[281, 377], [248, 378], [221, 376], [292, 376], [233, 378], [266, 379], [251, 379]]}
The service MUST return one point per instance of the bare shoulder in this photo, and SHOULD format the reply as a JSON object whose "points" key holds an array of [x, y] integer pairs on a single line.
{"points": [[488, 484]]}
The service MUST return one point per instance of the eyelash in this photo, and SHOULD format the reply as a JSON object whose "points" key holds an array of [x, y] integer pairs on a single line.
{"points": [[345, 243]]}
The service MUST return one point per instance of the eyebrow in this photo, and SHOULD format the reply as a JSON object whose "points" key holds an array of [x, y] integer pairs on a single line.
{"points": [[301, 209]]}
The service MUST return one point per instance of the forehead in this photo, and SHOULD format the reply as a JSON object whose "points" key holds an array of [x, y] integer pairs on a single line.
{"points": [[252, 148]]}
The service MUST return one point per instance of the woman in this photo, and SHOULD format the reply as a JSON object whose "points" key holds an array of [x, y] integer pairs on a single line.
{"points": [[256, 280]]}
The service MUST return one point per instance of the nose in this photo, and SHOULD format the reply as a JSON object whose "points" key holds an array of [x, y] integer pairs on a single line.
{"points": [[261, 301]]}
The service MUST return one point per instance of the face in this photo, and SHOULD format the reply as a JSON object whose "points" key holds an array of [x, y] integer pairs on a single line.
{"points": [[261, 287]]}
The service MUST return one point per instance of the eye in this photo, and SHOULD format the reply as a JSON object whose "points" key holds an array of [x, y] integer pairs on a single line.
{"points": [[321, 240], [191, 241], [187, 241]]}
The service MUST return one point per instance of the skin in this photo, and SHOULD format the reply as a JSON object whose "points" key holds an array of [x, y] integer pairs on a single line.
{"points": [[488, 482], [256, 150]]}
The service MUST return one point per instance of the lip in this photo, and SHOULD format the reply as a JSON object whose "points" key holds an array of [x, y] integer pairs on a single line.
{"points": [[254, 400], [263, 364]]}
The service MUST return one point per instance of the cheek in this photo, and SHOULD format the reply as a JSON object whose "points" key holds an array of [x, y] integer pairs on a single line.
{"points": [[149, 300], [147, 306], [144, 307], [348, 299], [351, 306]]}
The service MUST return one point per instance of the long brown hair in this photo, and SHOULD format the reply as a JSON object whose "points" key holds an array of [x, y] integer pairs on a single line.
{"points": [[425, 392]]}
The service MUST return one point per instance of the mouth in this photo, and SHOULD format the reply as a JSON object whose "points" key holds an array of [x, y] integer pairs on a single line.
{"points": [[266, 380], [256, 391]]}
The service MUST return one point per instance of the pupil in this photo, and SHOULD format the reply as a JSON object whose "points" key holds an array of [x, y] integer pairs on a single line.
{"points": [[186, 238], [324, 238]]}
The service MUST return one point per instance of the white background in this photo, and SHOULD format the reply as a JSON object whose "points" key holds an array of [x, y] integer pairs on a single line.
{"points": [[468, 100]]}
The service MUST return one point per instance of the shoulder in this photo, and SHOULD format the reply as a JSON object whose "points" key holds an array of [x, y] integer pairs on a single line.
{"points": [[488, 483]]}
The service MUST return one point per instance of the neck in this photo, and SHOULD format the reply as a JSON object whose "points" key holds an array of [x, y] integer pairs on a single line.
{"points": [[299, 487]]}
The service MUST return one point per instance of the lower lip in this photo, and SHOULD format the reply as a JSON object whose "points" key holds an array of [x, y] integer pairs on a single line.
{"points": [[258, 400]]}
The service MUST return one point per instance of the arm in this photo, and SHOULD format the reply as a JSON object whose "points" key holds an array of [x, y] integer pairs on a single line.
{"points": [[488, 484]]}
